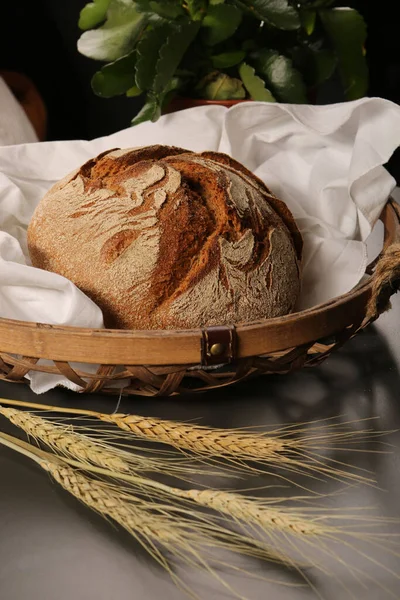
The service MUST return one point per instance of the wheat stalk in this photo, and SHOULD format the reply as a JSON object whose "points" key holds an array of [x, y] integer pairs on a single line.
{"points": [[156, 526], [276, 449], [238, 445], [92, 451], [66, 441], [167, 525], [77, 446]]}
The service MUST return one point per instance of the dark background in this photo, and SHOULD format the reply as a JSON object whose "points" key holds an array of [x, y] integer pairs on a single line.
{"points": [[39, 38]]}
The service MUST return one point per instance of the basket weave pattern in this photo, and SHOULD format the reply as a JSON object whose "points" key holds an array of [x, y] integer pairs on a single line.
{"points": [[164, 363]]}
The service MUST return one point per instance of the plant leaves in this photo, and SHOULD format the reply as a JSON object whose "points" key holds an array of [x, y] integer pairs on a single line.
{"points": [[171, 53], [117, 36], [316, 63], [228, 59], [220, 23], [93, 13], [151, 111], [196, 9], [323, 65], [285, 81], [133, 92], [347, 31], [279, 13], [148, 53], [254, 84], [115, 78], [219, 86], [308, 19], [167, 9]]}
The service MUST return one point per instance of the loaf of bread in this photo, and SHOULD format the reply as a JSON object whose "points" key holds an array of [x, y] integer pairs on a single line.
{"points": [[163, 238]]}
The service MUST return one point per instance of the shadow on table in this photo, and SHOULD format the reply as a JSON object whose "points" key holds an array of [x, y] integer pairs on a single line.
{"points": [[357, 386]]}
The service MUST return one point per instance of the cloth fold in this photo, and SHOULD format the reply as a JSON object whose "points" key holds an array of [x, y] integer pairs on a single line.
{"points": [[325, 162]]}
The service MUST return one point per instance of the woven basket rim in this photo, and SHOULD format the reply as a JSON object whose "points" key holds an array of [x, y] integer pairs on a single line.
{"points": [[182, 346]]}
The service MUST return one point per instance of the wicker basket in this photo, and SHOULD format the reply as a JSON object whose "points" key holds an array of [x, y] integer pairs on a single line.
{"points": [[158, 363]]}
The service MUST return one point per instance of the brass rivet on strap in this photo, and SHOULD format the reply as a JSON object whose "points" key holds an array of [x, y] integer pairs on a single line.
{"points": [[217, 349]]}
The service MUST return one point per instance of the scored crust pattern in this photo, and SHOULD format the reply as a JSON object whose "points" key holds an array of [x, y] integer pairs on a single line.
{"points": [[163, 238]]}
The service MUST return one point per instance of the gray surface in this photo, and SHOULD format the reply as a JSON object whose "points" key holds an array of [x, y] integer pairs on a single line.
{"points": [[51, 548]]}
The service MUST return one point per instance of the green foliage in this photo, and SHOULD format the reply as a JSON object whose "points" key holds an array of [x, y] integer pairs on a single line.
{"points": [[348, 32], [219, 86], [266, 50], [228, 59], [278, 13], [93, 14], [285, 81], [254, 84], [115, 78], [220, 23], [151, 111], [118, 35]]}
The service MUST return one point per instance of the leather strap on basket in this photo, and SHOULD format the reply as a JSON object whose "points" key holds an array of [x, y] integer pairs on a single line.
{"points": [[218, 345]]}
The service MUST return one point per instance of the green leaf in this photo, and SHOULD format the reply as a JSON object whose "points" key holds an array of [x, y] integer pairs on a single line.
{"points": [[133, 92], [170, 92], [148, 53], [254, 84], [151, 111], [219, 86], [308, 19], [323, 66], [285, 81], [228, 59], [347, 31], [279, 13], [171, 53], [93, 13], [167, 9], [213, 2], [220, 23], [117, 36], [115, 78], [316, 63], [196, 9]]}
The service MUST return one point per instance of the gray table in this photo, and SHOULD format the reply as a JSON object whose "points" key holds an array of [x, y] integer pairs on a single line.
{"points": [[51, 548]]}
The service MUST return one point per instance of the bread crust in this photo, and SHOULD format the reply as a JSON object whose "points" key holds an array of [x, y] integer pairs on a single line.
{"points": [[164, 238]]}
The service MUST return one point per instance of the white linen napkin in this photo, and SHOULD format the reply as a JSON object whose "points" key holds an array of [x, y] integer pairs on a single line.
{"points": [[325, 162]]}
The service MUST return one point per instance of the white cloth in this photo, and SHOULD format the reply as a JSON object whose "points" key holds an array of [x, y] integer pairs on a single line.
{"points": [[324, 161], [15, 127]]}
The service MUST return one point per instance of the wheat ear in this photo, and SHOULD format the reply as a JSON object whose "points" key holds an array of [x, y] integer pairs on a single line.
{"points": [[156, 526], [66, 441], [276, 449], [77, 446], [94, 450], [239, 445]]}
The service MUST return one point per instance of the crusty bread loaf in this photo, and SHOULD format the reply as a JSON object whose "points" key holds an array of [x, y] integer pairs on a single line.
{"points": [[163, 238]]}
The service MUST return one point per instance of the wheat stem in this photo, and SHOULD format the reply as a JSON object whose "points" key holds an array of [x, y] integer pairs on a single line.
{"points": [[238, 445], [66, 441], [154, 525], [87, 452]]}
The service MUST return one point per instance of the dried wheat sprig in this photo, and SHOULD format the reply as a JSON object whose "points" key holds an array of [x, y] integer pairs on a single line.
{"points": [[155, 526], [70, 442], [310, 531], [235, 446], [82, 448], [66, 441]]}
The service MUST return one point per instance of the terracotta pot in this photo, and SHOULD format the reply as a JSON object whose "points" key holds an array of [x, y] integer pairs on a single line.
{"points": [[180, 103], [31, 101]]}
